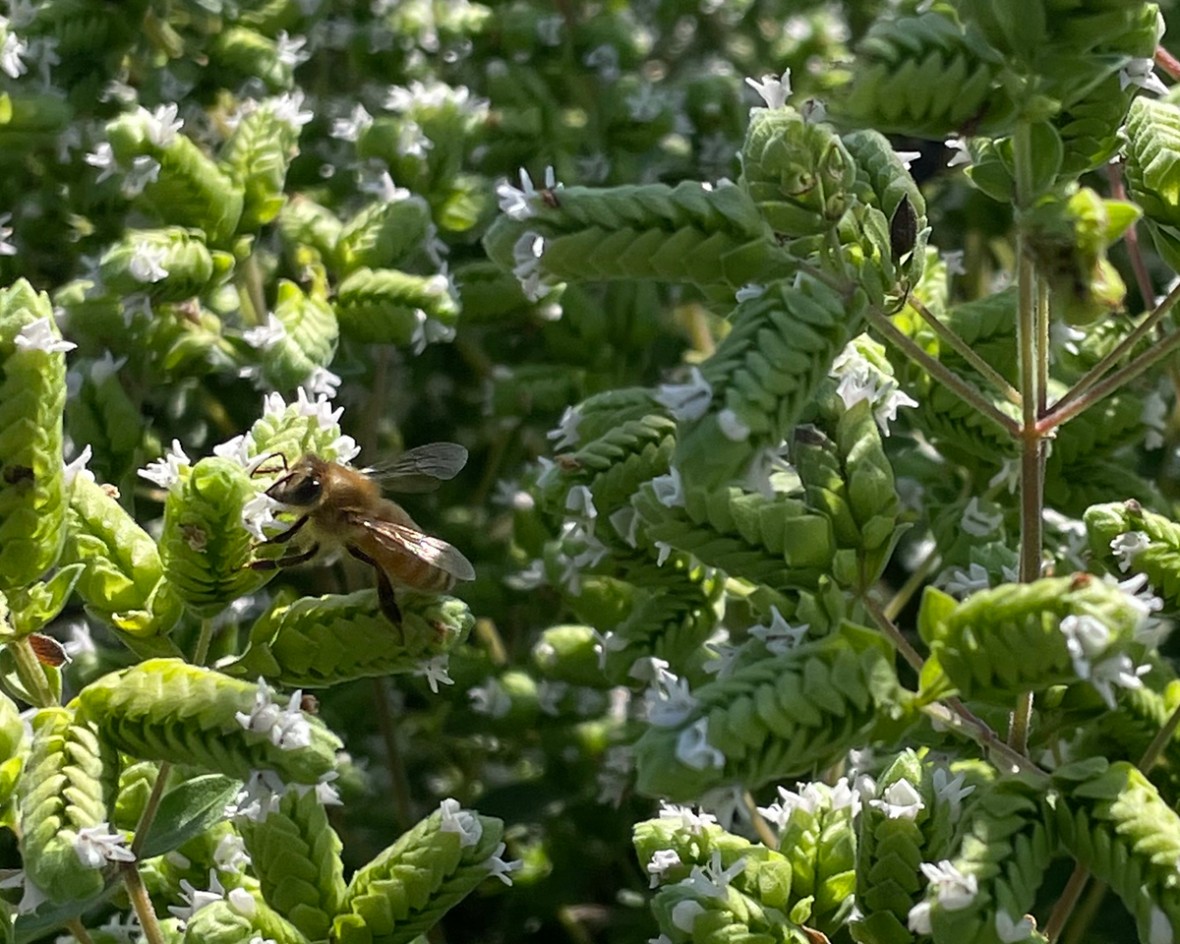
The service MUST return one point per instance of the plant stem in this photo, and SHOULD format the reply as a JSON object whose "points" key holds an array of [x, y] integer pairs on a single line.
{"points": [[941, 373], [201, 652], [1065, 409], [81, 935], [1162, 737], [964, 350], [894, 635], [1066, 903], [150, 807], [142, 903], [399, 786]]}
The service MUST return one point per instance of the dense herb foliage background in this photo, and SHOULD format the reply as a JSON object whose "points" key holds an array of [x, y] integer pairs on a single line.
{"points": [[341, 165]]}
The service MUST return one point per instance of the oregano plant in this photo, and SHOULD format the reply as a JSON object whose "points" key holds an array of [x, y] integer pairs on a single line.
{"points": [[816, 368]]}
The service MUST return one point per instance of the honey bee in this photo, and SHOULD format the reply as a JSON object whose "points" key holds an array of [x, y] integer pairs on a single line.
{"points": [[343, 508]]}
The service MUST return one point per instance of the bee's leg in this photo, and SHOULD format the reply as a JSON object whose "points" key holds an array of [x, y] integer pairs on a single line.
{"points": [[384, 588], [289, 561], [284, 536]]}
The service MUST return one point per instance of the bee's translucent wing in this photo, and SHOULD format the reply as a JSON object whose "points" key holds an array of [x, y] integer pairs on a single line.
{"points": [[422, 468], [406, 540]]}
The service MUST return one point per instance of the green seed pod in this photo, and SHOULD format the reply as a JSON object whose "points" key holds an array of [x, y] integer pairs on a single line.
{"points": [[66, 788], [1127, 539], [775, 541], [1153, 168], [1005, 849], [238, 53], [321, 641], [685, 914], [163, 709], [926, 76], [1113, 820], [799, 175], [103, 416], [32, 399], [569, 654], [257, 156], [13, 749], [135, 787], [123, 580], [296, 855], [890, 847], [239, 919], [303, 222], [190, 189], [301, 338], [205, 548], [765, 877], [408, 887], [818, 837], [169, 264], [973, 642], [882, 179], [292, 429], [383, 234], [772, 719], [764, 374], [384, 306]]}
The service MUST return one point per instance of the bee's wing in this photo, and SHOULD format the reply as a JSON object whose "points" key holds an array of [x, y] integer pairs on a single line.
{"points": [[422, 468], [400, 538]]}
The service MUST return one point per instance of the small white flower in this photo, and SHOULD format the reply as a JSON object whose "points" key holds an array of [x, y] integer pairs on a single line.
{"points": [[550, 695], [961, 156], [712, 880], [579, 501], [501, 869], [950, 790], [264, 337], [669, 489], [1160, 927], [230, 854], [1011, 931], [663, 552], [779, 636], [953, 260], [661, 861], [694, 750], [625, 521], [259, 797], [321, 382], [523, 203], [288, 108], [1086, 638], [435, 672], [1116, 671], [955, 890], [530, 578], [6, 248], [908, 157], [97, 845], [289, 50], [605, 644], [147, 262], [287, 728], [565, 434], [509, 494], [490, 699], [901, 800], [685, 913], [241, 902], [962, 583], [1126, 547], [12, 48], [749, 291], [980, 521], [731, 427], [39, 335], [195, 899], [772, 89], [695, 822], [918, 919], [527, 253], [687, 401], [165, 472], [455, 819], [669, 701], [102, 157], [162, 125], [1140, 73], [352, 127]]}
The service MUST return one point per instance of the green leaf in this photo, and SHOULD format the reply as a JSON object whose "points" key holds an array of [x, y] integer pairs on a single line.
{"points": [[187, 810], [37, 605]]}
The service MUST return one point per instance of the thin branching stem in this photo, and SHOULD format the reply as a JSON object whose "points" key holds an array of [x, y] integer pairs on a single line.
{"points": [[968, 353]]}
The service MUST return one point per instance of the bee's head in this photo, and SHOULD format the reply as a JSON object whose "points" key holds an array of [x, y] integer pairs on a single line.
{"points": [[303, 485]]}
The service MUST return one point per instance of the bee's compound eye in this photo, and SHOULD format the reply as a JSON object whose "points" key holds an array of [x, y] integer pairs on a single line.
{"points": [[296, 489]]}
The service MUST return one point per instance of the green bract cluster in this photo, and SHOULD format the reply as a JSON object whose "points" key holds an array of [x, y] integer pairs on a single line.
{"points": [[802, 374]]}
